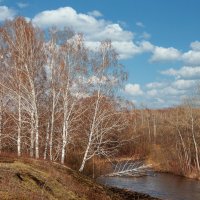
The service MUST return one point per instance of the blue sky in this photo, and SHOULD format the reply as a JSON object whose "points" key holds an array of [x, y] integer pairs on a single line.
{"points": [[158, 40]]}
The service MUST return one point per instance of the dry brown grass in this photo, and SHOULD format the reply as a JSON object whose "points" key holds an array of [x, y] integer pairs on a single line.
{"points": [[31, 179]]}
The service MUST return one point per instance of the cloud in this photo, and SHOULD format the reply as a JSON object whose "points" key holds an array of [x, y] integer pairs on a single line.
{"points": [[133, 89], [169, 92], [95, 13], [122, 23], [22, 5], [192, 57], [160, 100], [27, 19], [184, 72], [155, 85], [67, 16], [172, 91], [152, 93], [112, 31], [165, 54], [126, 49], [140, 24], [146, 35], [94, 30], [145, 46], [161, 97], [6, 13], [184, 84], [195, 46]]}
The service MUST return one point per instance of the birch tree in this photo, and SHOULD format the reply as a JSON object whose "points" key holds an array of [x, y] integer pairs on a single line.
{"points": [[106, 76], [74, 67], [54, 75], [25, 52]]}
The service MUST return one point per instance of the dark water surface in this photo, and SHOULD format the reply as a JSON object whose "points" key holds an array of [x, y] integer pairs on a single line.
{"points": [[164, 186]]}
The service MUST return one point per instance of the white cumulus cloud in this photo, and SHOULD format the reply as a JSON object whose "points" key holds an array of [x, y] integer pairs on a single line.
{"points": [[184, 84], [165, 54], [6, 13], [195, 46], [171, 91], [95, 13], [184, 72], [133, 89], [155, 85], [152, 93], [192, 57], [94, 30]]}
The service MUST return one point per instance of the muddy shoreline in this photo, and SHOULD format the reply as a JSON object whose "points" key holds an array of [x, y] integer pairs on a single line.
{"points": [[130, 195]]}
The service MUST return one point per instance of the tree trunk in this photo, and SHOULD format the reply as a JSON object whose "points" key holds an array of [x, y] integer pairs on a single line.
{"points": [[52, 128], [91, 133], [19, 128], [47, 141], [36, 137], [64, 140], [86, 153], [32, 136]]}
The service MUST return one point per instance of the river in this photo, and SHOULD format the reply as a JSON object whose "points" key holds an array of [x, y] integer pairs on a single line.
{"points": [[161, 185]]}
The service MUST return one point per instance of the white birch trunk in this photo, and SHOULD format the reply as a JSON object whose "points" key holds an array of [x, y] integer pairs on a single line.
{"points": [[19, 127], [35, 116], [47, 141], [86, 153], [65, 120], [32, 136], [65, 127], [64, 141], [52, 127], [91, 134], [36, 137]]}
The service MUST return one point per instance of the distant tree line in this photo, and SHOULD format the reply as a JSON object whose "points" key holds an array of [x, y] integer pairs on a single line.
{"points": [[169, 138]]}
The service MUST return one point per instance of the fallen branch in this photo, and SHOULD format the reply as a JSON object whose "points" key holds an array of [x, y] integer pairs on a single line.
{"points": [[130, 168]]}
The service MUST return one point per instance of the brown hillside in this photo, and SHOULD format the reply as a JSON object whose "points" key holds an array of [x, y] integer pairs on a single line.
{"points": [[38, 180]]}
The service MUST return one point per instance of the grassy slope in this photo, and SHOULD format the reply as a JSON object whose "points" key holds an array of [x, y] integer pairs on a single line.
{"points": [[34, 179]]}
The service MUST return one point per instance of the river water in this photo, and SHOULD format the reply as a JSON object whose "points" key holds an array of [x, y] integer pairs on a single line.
{"points": [[161, 185]]}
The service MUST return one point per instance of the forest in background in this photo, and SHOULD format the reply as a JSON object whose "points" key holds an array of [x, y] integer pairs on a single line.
{"points": [[59, 102]]}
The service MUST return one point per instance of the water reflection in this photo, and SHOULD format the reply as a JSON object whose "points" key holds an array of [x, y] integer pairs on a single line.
{"points": [[165, 186]]}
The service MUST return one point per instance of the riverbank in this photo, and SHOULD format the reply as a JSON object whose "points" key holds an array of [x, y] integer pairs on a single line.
{"points": [[34, 179], [130, 195], [162, 168], [157, 166]]}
